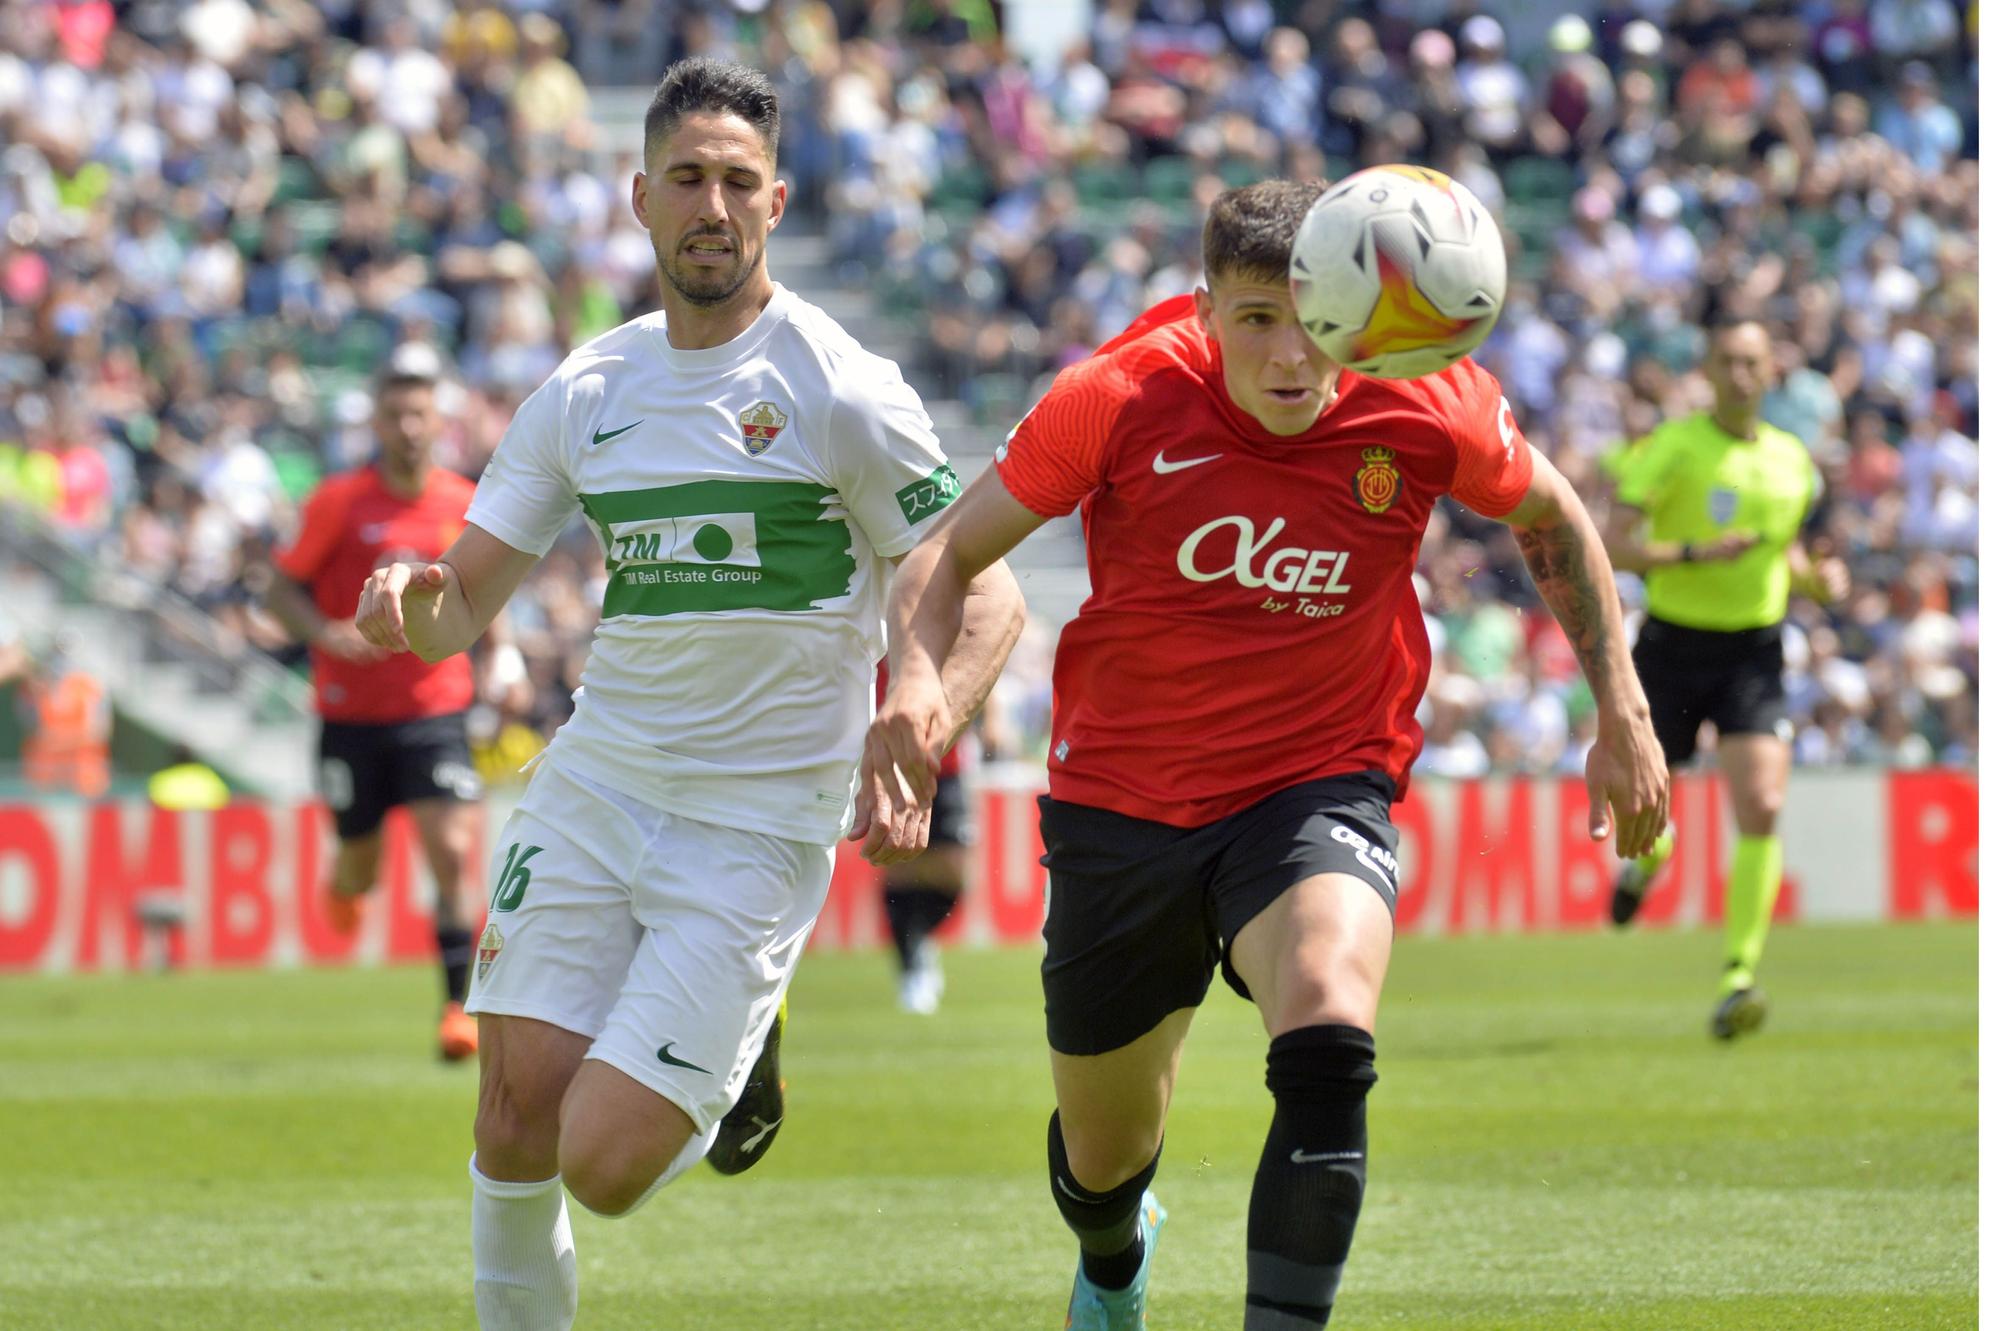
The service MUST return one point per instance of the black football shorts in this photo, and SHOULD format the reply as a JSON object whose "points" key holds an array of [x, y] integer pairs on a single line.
{"points": [[367, 770], [1141, 912], [951, 813], [1736, 680]]}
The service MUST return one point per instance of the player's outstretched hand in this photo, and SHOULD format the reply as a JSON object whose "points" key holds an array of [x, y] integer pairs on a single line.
{"points": [[1629, 786], [391, 593], [890, 822]]}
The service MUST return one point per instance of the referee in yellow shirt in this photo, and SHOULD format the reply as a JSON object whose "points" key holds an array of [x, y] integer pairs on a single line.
{"points": [[1709, 510]]}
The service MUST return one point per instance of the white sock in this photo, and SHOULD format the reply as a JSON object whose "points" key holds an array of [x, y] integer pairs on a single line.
{"points": [[523, 1260]]}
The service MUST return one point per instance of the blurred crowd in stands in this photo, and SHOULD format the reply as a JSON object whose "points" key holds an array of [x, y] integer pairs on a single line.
{"points": [[222, 214]]}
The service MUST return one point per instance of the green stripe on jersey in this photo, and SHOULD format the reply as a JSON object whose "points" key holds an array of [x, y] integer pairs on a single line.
{"points": [[721, 545]]}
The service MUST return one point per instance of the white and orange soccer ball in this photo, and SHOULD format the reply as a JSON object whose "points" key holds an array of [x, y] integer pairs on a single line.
{"points": [[1398, 271]]}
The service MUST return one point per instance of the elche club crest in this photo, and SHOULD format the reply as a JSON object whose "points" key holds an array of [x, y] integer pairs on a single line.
{"points": [[762, 424], [1378, 484], [490, 943]]}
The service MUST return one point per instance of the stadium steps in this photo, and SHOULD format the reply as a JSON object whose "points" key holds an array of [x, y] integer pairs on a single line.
{"points": [[165, 663]]}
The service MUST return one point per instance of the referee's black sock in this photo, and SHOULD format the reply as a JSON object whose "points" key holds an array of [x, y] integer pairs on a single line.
{"points": [[455, 956], [1106, 1224], [1307, 1196]]}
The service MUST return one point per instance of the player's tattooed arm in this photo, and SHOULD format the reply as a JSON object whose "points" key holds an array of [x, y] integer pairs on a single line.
{"points": [[1558, 561], [1573, 572], [1626, 772]]}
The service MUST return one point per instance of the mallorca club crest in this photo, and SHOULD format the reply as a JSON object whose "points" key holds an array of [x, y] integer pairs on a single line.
{"points": [[762, 424], [490, 943], [1378, 484]]}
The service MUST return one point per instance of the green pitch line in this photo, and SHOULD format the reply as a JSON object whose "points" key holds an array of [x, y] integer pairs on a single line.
{"points": [[1556, 1144]]}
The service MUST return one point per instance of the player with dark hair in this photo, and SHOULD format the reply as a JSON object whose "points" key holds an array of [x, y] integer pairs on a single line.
{"points": [[1235, 713], [753, 475], [392, 729], [1710, 509]]}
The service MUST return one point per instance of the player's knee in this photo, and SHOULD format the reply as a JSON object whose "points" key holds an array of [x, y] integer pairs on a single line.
{"points": [[454, 848], [603, 1190], [1102, 1206], [1334, 997], [1102, 1162], [1759, 815], [608, 1179]]}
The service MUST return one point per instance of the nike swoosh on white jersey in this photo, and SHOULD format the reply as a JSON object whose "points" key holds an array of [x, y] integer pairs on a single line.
{"points": [[1164, 467], [1299, 1157]]}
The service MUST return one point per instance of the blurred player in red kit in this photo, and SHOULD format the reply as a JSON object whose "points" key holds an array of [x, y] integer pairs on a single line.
{"points": [[1235, 713], [392, 728]]}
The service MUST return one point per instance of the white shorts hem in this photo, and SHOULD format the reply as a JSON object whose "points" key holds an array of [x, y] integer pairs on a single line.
{"points": [[511, 1007], [652, 1080]]}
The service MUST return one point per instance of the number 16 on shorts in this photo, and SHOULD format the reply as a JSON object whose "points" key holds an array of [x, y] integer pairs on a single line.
{"points": [[508, 891], [512, 885]]}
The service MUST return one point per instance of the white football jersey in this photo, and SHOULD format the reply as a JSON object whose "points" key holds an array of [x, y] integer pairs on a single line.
{"points": [[749, 498]]}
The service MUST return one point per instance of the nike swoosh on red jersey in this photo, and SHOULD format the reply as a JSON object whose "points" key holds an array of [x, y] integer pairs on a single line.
{"points": [[1164, 467]]}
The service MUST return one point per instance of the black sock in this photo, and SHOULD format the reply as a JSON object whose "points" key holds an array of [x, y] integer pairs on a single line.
{"points": [[935, 909], [1307, 1197], [1106, 1224], [914, 915], [901, 905], [455, 956]]}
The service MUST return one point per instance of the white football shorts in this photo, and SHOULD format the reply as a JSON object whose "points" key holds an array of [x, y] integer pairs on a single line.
{"points": [[667, 940]]}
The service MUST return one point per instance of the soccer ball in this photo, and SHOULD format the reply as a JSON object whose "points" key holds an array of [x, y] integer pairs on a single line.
{"points": [[1398, 271]]}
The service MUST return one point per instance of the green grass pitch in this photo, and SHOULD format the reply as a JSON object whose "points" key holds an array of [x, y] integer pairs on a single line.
{"points": [[1557, 1144]]}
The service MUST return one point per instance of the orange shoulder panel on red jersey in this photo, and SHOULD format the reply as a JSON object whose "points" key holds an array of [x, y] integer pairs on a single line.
{"points": [[322, 523], [1059, 453]]}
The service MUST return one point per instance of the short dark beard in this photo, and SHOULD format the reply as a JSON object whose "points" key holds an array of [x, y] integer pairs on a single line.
{"points": [[709, 299]]}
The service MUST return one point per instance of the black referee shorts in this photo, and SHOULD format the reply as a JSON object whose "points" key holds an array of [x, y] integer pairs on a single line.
{"points": [[1735, 679], [1140, 912]]}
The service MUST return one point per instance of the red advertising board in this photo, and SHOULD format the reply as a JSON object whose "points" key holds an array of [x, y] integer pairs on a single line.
{"points": [[77, 881]]}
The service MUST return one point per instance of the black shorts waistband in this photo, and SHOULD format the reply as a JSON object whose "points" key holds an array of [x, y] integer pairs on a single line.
{"points": [[1367, 779], [1665, 630]]}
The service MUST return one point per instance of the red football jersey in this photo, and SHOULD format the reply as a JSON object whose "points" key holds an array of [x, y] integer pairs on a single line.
{"points": [[1252, 621], [352, 526]]}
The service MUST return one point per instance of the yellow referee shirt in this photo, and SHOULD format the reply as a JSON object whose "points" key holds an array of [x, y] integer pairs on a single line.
{"points": [[1695, 483]]}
